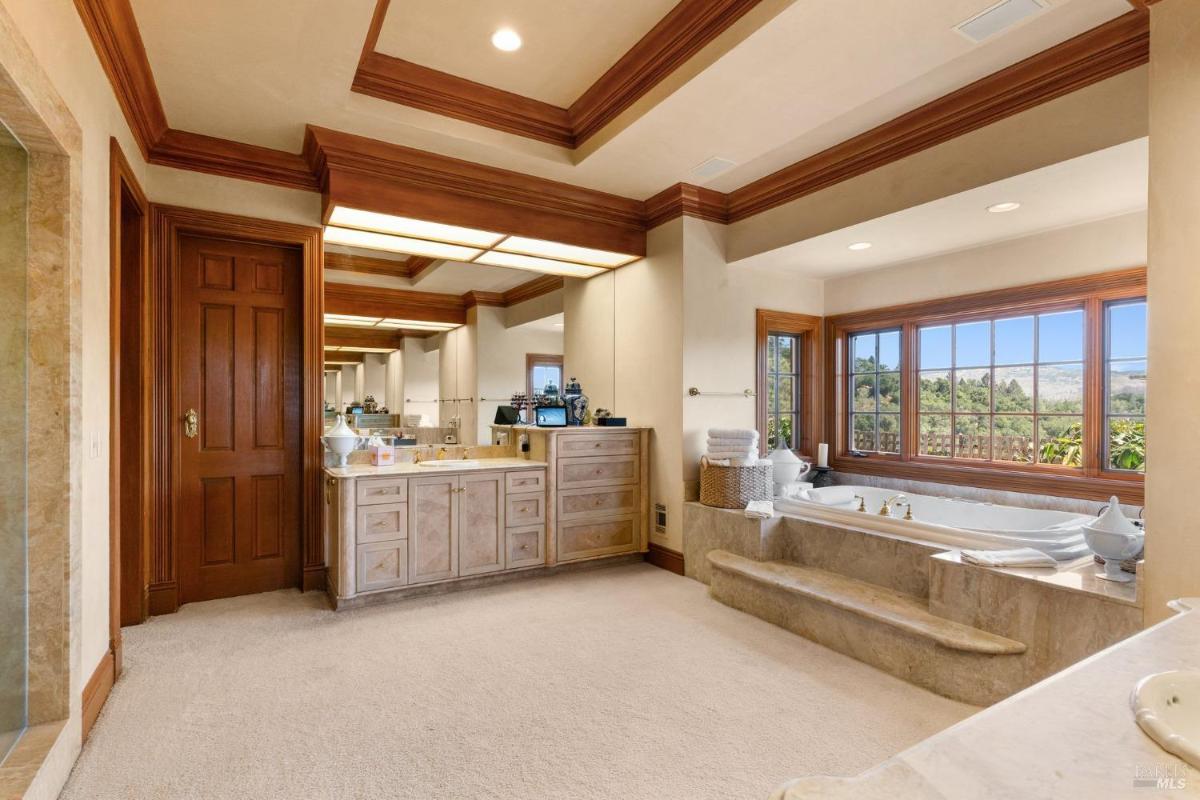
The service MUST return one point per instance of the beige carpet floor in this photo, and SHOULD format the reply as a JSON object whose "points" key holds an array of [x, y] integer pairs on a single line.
{"points": [[622, 683]]}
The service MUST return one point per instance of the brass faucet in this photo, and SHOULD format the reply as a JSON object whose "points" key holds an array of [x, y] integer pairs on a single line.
{"points": [[886, 509], [862, 503], [466, 453], [441, 453]]}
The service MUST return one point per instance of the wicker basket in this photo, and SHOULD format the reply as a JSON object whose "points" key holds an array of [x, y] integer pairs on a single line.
{"points": [[734, 487]]}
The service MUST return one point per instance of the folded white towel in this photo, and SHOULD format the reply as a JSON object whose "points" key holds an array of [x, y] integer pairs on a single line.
{"points": [[832, 495], [1017, 557], [760, 509], [733, 439], [732, 433]]}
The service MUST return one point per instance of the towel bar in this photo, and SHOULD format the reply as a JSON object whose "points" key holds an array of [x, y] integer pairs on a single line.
{"points": [[694, 392]]}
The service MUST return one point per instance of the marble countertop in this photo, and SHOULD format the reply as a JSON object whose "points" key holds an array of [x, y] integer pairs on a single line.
{"points": [[1070, 736], [408, 468]]}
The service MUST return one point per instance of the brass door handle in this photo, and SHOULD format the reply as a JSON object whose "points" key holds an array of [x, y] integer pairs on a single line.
{"points": [[191, 423]]}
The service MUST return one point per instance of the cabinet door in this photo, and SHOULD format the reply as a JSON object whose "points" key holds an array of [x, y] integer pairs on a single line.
{"points": [[480, 523], [432, 528]]}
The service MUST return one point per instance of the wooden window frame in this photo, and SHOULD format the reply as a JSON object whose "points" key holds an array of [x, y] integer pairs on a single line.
{"points": [[534, 359], [810, 331], [1091, 481]]}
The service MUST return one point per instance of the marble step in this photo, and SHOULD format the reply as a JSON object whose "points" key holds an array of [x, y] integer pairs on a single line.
{"points": [[877, 603]]}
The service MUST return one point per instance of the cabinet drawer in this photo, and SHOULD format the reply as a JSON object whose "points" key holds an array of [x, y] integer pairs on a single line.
{"points": [[525, 546], [524, 509], [382, 565], [381, 490], [576, 473], [586, 538], [382, 522], [599, 502], [613, 444], [528, 481]]}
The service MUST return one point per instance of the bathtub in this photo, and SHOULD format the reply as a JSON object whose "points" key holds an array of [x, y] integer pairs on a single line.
{"points": [[954, 522]]}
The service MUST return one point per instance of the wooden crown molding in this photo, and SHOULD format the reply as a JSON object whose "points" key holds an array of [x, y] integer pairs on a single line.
{"points": [[379, 176], [388, 177], [686, 200], [678, 36], [362, 337], [111, 26], [369, 265], [1104, 51], [345, 298], [477, 298], [534, 288], [1142, 5]]}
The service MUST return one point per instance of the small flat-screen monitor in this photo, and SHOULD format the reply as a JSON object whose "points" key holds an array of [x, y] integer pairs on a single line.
{"points": [[552, 417]]}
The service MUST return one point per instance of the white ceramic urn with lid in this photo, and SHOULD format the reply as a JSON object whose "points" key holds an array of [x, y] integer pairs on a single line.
{"points": [[1114, 538], [341, 440]]}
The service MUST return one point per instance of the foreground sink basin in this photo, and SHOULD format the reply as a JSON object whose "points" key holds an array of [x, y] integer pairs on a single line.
{"points": [[1167, 708], [449, 462]]}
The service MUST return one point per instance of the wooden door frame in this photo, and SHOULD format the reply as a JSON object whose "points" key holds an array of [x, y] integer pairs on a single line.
{"points": [[123, 185], [168, 223]]}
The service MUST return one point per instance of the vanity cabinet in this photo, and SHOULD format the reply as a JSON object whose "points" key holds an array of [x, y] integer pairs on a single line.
{"points": [[598, 496], [395, 532], [433, 514]]}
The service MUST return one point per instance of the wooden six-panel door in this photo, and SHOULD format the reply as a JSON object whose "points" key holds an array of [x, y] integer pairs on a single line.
{"points": [[238, 408]]}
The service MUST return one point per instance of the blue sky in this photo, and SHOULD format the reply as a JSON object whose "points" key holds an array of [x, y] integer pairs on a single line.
{"points": [[1059, 335]]}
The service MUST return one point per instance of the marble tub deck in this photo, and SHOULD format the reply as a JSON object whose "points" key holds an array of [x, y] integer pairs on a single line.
{"points": [[1060, 616]]}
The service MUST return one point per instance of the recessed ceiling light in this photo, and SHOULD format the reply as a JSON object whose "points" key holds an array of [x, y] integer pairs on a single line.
{"points": [[506, 39], [860, 246], [1000, 208]]}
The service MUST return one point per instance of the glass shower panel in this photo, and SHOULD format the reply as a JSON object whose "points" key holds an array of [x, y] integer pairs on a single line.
{"points": [[14, 585]]}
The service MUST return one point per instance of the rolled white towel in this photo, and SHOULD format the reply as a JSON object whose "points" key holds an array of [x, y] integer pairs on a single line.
{"points": [[732, 433], [760, 509], [1017, 557], [832, 495]]}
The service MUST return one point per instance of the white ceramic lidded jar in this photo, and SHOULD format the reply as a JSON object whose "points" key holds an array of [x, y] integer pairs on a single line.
{"points": [[1114, 538], [788, 468], [341, 440]]}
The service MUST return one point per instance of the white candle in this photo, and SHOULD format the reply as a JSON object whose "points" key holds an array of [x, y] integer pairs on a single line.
{"points": [[822, 455]]}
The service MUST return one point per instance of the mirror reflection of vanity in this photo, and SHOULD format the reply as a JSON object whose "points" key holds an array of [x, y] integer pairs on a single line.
{"points": [[429, 362]]}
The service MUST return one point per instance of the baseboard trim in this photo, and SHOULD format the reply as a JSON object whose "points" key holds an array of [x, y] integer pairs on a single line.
{"points": [[96, 692], [163, 598], [313, 580], [665, 558]]}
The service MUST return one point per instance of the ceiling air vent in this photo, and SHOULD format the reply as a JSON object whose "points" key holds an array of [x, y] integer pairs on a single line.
{"points": [[999, 17], [711, 168]]}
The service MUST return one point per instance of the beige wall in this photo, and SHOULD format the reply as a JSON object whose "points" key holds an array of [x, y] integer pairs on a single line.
{"points": [[501, 361], [421, 371], [1173, 439], [374, 371], [588, 314], [457, 378], [719, 303], [1079, 123], [60, 44], [1067, 252]]}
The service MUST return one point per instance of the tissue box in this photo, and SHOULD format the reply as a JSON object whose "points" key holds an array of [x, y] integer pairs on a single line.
{"points": [[382, 455]]}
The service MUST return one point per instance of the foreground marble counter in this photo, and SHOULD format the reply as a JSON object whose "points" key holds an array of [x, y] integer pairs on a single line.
{"points": [[1070, 736]]}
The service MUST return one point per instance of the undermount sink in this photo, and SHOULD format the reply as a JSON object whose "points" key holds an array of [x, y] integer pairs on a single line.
{"points": [[1167, 708], [449, 462]]}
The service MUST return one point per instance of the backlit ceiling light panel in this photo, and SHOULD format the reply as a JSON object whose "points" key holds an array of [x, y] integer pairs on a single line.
{"points": [[534, 264], [417, 325], [371, 240], [350, 320], [414, 228], [564, 252]]}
